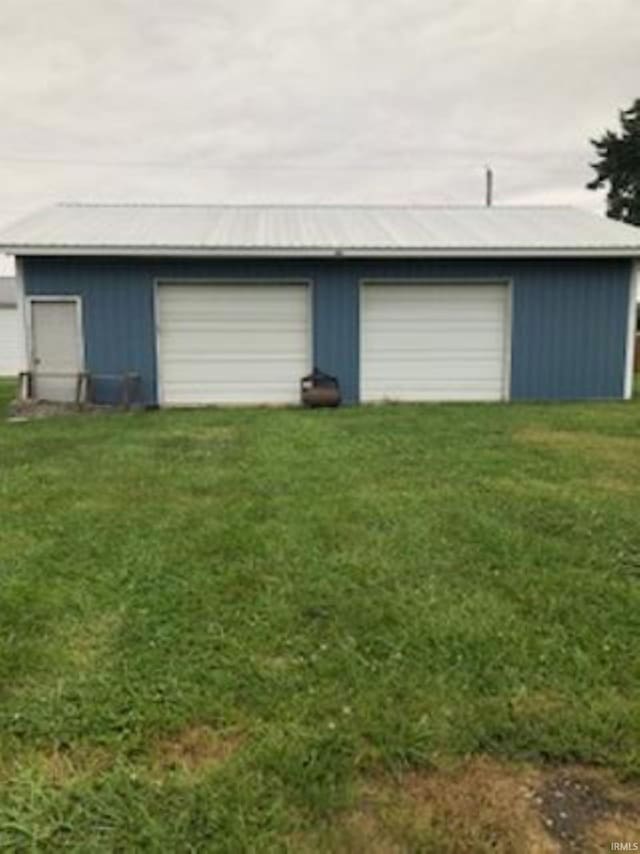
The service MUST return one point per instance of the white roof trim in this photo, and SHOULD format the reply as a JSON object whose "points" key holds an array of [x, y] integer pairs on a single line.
{"points": [[181, 252]]}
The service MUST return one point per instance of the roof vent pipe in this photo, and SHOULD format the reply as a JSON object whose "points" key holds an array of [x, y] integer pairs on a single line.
{"points": [[489, 186]]}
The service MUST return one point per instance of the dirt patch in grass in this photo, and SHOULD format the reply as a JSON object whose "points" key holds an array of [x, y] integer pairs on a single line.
{"points": [[578, 805], [65, 766], [486, 806], [481, 804], [30, 410], [621, 829], [194, 750]]}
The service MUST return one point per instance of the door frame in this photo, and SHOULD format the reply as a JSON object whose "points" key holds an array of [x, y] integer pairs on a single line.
{"points": [[71, 298], [503, 281], [222, 281]]}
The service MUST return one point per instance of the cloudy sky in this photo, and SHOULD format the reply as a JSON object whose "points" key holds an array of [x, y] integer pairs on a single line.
{"points": [[308, 100]]}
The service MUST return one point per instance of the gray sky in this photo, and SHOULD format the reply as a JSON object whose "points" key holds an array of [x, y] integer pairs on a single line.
{"points": [[307, 100]]}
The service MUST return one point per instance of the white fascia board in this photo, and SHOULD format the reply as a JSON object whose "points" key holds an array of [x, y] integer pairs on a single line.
{"points": [[634, 284], [195, 252], [22, 318]]}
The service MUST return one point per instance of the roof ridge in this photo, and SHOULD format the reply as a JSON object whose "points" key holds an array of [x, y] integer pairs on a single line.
{"points": [[311, 206]]}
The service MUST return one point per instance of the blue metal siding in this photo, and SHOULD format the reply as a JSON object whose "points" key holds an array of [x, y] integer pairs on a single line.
{"points": [[117, 314], [569, 317], [336, 347], [569, 330]]}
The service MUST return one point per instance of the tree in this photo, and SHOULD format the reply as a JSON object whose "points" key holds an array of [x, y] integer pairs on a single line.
{"points": [[619, 167]]}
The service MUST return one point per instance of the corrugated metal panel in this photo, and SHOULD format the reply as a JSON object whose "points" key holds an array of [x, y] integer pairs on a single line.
{"points": [[336, 324], [117, 311], [569, 330], [569, 316], [104, 229]]}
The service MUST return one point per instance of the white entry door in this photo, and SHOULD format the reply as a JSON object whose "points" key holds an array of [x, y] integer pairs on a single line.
{"points": [[434, 341], [233, 343], [56, 348]]}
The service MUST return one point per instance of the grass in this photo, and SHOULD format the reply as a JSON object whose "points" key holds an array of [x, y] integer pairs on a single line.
{"points": [[219, 629]]}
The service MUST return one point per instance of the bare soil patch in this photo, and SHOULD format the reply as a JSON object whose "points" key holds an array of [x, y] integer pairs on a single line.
{"points": [[194, 750], [33, 410], [483, 805], [575, 802], [67, 765]]}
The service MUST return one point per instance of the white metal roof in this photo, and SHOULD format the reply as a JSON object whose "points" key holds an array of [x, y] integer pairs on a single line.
{"points": [[317, 230]]}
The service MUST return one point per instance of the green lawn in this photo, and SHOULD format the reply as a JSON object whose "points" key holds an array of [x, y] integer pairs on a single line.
{"points": [[219, 627]]}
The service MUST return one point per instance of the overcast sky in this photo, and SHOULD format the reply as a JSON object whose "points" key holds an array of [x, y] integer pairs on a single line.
{"points": [[308, 100]]}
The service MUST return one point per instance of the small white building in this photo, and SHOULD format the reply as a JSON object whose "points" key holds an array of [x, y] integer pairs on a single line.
{"points": [[9, 321]]}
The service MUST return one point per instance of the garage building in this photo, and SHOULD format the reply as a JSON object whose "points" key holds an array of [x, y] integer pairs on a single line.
{"points": [[234, 304]]}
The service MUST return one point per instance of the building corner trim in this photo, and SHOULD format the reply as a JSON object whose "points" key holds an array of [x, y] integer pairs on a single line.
{"points": [[631, 329], [25, 358]]}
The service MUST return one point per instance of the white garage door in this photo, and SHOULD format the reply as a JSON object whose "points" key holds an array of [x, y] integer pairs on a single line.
{"points": [[433, 341], [9, 341], [232, 343]]}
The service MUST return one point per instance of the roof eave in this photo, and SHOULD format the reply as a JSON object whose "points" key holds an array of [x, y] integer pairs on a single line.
{"points": [[284, 252]]}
